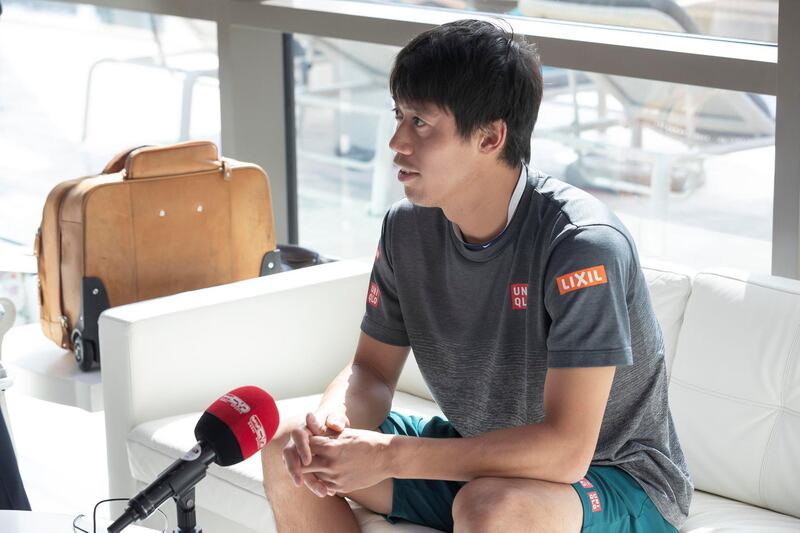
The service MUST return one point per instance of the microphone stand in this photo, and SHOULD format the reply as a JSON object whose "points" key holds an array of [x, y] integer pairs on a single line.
{"points": [[187, 523]]}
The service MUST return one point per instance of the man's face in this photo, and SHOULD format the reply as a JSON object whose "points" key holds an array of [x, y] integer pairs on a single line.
{"points": [[436, 163]]}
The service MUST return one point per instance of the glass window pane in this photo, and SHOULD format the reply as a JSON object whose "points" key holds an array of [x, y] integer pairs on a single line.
{"points": [[750, 20], [345, 176], [689, 170], [79, 84]]}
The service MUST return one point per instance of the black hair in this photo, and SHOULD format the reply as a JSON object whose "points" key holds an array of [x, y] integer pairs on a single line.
{"points": [[479, 73]]}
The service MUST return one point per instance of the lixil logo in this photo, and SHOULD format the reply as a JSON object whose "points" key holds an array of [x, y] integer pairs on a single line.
{"points": [[588, 277]]}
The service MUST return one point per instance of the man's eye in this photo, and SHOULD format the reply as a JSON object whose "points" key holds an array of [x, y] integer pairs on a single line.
{"points": [[418, 122]]}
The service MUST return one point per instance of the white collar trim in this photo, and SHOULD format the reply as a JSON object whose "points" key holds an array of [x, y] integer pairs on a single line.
{"points": [[513, 203]]}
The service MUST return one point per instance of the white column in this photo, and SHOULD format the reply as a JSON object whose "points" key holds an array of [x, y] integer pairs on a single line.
{"points": [[251, 77]]}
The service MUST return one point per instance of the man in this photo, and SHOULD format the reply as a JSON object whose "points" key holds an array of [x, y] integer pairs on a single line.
{"points": [[529, 317]]}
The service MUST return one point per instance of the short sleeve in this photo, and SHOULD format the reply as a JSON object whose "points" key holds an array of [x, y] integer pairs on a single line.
{"points": [[586, 287], [383, 319]]}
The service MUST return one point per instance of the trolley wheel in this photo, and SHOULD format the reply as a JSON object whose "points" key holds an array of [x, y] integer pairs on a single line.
{"points": [[84, 351]]}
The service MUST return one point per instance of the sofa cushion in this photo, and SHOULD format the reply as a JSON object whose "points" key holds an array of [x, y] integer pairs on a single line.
{"points": [[713, 513], [735, 388], [236, 492], [670, 286]]}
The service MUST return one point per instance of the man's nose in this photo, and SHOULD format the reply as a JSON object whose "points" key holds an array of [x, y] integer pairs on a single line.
{"points": [[399, 142]]}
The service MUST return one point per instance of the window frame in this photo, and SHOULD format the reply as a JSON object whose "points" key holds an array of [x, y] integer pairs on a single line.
{"points": [[253, 51]]}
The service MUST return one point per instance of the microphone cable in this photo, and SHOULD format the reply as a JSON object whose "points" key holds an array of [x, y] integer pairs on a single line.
{"points": [[76, 527]]}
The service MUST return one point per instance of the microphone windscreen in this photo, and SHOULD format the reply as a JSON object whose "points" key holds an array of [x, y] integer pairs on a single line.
{"points": [[238, 424]]}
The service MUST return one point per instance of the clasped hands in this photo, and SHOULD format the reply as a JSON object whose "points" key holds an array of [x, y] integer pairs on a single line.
{"points": [[331, 458]]}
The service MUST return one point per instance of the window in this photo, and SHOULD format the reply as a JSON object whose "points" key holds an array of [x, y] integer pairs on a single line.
{"points": [[689, 170], [345, 180], [113, 80], [749, 20]]}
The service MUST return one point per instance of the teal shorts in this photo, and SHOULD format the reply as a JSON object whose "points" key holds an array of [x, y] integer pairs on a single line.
{"points": [[612, 500]]}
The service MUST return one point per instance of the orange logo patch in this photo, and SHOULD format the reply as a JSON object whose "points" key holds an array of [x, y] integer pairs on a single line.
{"points": [[588, 277]]}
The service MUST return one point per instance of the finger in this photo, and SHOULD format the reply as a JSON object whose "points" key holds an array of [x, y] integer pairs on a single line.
{"points": [[317, 444], [337, 422], [293, 466], [300, 438], [317, 467], [330, 486], [322, 477], [315, 426], [315, 485]]}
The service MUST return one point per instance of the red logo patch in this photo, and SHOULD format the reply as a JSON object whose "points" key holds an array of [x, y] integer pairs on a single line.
{"points": [[585, 483], [519, 296], [588, 277], [595, 500], [374, 296]]}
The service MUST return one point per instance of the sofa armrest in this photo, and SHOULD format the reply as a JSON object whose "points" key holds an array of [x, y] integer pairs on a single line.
{"points": [[289, 333]]}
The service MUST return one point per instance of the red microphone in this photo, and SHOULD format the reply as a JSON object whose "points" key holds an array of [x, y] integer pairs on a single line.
{"points": [[238, 424], [232, 429]]}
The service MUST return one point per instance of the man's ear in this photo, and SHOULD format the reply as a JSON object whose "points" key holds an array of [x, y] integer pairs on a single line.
{"points": [[492, 137]]}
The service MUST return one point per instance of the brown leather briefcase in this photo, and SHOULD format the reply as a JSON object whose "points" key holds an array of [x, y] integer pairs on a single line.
{"points": [[157, 221]]}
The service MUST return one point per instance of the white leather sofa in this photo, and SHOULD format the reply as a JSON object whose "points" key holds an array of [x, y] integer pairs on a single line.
{"points": [[733, 351]]}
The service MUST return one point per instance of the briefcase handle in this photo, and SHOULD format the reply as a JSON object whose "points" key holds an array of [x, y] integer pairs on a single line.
{"points": [[153, 161]]}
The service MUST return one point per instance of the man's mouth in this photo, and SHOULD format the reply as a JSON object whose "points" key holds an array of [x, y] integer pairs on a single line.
{"points": [[406, 174]]}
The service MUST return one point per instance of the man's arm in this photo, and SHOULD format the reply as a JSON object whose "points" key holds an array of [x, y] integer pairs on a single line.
{"points": [[558, 449], [363, 390]]}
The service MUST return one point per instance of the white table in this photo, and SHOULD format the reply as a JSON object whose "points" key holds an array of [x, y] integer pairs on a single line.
{"points": [[33, 522], [47, 372]]}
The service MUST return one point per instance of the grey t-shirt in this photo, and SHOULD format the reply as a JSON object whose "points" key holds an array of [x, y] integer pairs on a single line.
{"points": [[562, 288]]}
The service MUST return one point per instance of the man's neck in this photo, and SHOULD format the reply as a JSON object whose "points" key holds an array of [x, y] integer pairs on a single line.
{"points": [[482, 211]]}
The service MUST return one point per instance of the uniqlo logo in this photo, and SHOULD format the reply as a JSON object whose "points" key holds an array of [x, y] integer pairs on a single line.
{"points": [[519, 296], [585, 483], [588, 277], [595, 501], [374, 296]]}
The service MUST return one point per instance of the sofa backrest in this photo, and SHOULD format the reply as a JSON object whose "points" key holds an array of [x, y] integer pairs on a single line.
{"points": [[289, 333], [274, 332], [669, 286], [735, 388]]}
